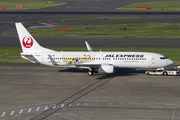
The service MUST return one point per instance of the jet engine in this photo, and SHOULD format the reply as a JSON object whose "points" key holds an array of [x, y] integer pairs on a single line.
{"points": [[102, 69]]}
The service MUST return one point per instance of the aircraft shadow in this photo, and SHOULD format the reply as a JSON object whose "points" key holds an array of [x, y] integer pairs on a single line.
{"points": [[119, 72], [123, 72], [74, 70]]}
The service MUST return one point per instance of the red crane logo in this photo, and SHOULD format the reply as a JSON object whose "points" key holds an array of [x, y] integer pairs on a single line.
{"points": [[27, 42]]}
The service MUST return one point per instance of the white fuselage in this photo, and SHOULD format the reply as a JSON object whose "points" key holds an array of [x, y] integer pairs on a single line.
{"points": [[117, 59]]}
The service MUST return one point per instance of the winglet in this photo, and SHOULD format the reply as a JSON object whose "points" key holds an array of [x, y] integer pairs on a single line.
{"points": [[89, 47]]}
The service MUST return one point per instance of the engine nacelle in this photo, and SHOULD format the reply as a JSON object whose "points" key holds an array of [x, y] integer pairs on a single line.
{"points": [[102, 69]]}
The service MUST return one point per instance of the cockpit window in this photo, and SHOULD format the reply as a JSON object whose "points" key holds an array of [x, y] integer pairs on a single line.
{"points": [[162, 58]]}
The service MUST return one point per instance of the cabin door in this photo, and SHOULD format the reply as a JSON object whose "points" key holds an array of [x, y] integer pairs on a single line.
{"points": [[153, 60]]}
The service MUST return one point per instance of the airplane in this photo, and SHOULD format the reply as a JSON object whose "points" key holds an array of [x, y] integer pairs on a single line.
{"points": [[100, 62]]}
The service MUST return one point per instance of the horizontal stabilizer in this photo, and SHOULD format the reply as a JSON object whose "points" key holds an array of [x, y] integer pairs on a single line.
{"points": [[26, 54]]}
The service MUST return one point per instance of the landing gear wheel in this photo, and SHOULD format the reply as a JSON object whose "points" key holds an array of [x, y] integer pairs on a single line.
{"points": [[166, 73], [90, 73]]}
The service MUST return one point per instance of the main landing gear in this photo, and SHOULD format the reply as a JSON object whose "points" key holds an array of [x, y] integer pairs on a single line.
{"points": [[90, 72]]}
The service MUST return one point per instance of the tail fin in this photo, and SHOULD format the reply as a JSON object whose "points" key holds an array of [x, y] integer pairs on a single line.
{"points": [[28, 43]]}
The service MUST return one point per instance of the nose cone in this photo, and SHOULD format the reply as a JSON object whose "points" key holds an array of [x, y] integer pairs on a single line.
{"points": [[170, 62]]}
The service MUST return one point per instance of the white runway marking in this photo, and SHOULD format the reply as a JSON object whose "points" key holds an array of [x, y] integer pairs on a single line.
{"points": [[12, 112], [172, 114], [54, 106], [29, 109], [46, 108], [37, 108], [70, 105], [20, 111], [62, 105], [3, 114]]}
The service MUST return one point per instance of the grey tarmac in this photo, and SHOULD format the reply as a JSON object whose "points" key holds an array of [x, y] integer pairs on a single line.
{"points": [[38, 91]]}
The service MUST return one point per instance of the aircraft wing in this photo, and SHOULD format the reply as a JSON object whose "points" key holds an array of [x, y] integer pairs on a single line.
{"points": [[92, 65], [53, 61]]}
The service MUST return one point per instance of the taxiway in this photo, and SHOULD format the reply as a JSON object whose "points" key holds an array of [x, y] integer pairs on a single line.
{"points": [[41, 92]]}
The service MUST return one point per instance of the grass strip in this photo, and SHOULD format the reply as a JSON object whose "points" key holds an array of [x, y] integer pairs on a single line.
{"points": [[100, 18], [11, 55], [143, 30], [11, 5], [165, 5]]}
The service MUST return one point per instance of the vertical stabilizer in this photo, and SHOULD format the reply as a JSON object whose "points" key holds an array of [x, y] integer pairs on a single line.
{"points": [[28, 43]]}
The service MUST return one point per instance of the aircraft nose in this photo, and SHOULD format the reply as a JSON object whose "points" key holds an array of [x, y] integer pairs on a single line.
{"points": [[170, 62]]}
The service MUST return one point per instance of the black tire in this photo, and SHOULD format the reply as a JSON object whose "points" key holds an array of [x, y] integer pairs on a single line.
{"points": [[90, 73], [147, 73], [165, 73]]}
